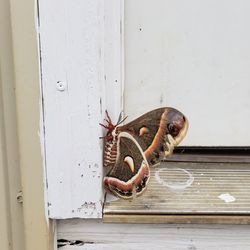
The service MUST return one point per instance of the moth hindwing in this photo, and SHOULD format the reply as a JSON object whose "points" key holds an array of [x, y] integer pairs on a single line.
{"points": [[132, 148], [130, 174]]}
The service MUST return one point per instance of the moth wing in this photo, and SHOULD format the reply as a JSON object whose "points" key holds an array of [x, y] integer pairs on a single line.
{"points": [[158, 132], [130, 174]]}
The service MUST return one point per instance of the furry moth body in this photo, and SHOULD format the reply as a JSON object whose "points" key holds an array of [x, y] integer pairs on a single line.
{"points": [[132, 148]]}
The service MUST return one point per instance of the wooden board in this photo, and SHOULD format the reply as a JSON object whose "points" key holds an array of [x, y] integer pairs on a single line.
{"points": [[112, 236], [191, 188]]}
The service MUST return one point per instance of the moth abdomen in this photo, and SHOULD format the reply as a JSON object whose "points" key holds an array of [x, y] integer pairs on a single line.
{"points": [[110, 154]]}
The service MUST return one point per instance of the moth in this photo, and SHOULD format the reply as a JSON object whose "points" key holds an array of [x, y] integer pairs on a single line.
{"points": [[132, 148]]}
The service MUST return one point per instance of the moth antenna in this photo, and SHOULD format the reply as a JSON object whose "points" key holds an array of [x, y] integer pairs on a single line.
{"points": [[120, 117], [101, 137], [122, 120]]}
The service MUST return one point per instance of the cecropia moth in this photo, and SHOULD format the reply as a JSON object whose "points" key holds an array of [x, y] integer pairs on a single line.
{"points": [[132, 148]]}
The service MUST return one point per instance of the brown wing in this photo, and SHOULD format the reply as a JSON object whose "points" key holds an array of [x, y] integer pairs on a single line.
{"points": [[157, 132], [130, 174]]}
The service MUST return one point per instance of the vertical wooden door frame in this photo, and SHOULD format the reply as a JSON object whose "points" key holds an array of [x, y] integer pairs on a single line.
{"points": [[81, 45]]}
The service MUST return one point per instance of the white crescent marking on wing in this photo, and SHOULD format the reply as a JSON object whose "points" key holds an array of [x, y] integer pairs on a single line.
{"points": [[129, 160]]}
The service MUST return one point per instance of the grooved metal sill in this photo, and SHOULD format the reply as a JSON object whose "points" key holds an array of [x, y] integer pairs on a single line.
{"points": [[190, 192]]}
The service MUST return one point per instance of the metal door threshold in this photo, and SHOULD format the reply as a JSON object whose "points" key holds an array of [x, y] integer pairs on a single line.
{"points": [[189, 192]]}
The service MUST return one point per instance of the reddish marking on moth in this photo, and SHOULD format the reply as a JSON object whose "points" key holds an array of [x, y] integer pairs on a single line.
{"points": [[128, 186], [149, 151]]}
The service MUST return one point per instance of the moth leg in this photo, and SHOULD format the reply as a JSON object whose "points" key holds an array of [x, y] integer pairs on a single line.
{"points": [[103, 125]]}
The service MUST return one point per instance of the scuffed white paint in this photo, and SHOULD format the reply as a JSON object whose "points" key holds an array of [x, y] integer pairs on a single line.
{"points": [[227, 197]]}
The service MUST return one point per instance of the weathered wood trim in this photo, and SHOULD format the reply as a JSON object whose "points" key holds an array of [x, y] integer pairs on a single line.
{"points": [[71, 39], [81, 58], [110, 236]]}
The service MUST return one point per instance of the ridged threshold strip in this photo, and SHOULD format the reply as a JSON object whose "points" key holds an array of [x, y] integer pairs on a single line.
{"points": [[189, 192]]}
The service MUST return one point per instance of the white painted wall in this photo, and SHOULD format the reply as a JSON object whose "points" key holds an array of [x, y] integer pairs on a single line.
{"points": [[193, 55]]}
